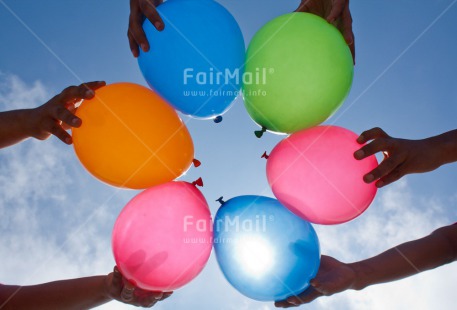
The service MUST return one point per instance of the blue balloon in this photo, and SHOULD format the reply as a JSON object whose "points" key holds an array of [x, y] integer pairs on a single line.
{"points": [[197, 62], [265, 251]]}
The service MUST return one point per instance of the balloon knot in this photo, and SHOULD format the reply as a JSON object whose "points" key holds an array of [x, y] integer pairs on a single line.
{"points": [[259, 133], [196, 163], [198, 182], [220, 200], [218, 119], [265, 155]]}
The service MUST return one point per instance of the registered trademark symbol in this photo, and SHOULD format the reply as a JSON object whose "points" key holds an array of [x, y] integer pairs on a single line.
{"points": [[271, 70], [271, 218]]}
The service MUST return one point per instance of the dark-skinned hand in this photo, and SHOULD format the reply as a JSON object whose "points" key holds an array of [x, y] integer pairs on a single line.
{"points": [[333, 277], [139, 10], [334, 11]]}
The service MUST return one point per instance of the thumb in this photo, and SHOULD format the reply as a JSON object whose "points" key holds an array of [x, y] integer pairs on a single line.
{"points": [[322, 286], [337, 10], [303, 7]]}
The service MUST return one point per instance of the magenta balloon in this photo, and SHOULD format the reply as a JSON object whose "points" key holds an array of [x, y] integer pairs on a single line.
{"points": [[163, 237], [314, 173]]}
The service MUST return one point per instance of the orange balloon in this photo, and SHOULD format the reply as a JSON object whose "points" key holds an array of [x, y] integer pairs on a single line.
{"points": [[130, 137]]}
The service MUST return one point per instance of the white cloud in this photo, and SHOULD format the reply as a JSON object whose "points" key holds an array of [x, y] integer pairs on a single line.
{"points": [[16, 94]]}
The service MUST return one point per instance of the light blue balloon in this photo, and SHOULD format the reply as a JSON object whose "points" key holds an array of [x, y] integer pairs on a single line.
{"points": [[265, 251], [196, 63]]}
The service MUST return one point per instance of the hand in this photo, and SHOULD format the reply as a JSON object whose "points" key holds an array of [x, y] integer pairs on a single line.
{"points": [[139, 9], [333, 277], [118, 288], [334, 11], [56, 116], [401, 156]]}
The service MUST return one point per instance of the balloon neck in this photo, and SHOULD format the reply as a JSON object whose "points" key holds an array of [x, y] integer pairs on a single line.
{"points": [[259, 133], [218, 119], [196, 163], [220, 200], [198, 182], [265, 155]]}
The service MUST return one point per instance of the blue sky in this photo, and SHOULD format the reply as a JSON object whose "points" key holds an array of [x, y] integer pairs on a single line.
{"points": [[56, 219]]}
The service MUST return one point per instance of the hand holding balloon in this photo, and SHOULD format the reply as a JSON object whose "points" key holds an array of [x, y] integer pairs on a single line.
{"points": [[52, 118], [118, 288], [56, 116], [437, 249], [334, 11], [405, 156], [333, 277], [139, 9]]}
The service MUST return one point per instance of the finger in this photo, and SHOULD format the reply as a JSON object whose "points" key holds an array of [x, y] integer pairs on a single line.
{"points": [[303, 7], [63, 114], [147, 9], [127, 292], [58, 131], [395, 175], [73, 104], [325, 288], [94, 85], [147, 302], [117, 278], [307, 296], [166, 295], [337, 10], [372, 134], [83, 91], [352, 48], [137, 32], [386, 167], [346, 25], [71, 93], [377, 145], [133, 45], [69, 97], [346, 20], [283, 304], [136, 27], [150, 11], [156, 295]]}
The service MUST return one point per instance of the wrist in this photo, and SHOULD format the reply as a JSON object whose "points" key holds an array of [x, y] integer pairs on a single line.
{"points": [[25, 119], [444, 147], [106, 287], [359, 282]]}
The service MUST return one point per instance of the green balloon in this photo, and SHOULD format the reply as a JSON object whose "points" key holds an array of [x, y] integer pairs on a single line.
{"points": [[298, 72]]}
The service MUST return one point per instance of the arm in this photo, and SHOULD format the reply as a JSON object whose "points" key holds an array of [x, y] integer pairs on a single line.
{"points": [[139, 10], [334, 11], [407, 259], [82, 293], [53, 117], [406, 156]]}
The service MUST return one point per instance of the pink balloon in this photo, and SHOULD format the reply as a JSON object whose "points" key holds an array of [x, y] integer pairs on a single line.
{"points": [[314, 173], [162, 239]]}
